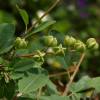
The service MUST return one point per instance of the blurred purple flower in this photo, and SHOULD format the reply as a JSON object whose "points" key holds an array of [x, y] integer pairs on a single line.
{"points": [[82, 8], [81, 3]]}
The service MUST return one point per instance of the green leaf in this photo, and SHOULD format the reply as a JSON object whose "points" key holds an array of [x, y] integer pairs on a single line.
{"points": [[86, 83], [71, 57], [51, 88], [24, 15], [81, 85], [95, 82], [32, 83], [23, 64], [6, 37], [6, 17], [35, 45], [54, 97], [16, 75], [41, 27]]}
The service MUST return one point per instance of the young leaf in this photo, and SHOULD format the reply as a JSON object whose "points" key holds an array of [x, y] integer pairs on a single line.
{"points": [[41, 27], [24, 15], [32, 83], [23, 65]]}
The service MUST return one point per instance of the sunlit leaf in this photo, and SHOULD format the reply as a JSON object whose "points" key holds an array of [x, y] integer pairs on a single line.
{"points": [[32, 83]]}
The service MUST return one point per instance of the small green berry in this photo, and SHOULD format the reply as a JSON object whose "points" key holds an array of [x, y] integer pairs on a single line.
{"points": [[69, 40], [54, 42], [80, 46], [92, 44], [20, 43], [50, 40]]}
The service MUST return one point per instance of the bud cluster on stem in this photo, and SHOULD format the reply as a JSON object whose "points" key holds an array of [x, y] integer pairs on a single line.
{"points": [[20, 43]]}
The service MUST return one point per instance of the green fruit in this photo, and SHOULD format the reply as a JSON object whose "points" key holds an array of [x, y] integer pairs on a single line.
{"points": [[20, 43], [49, 40], [54, 42], [92, 44], [80, 46], [69, 40]]}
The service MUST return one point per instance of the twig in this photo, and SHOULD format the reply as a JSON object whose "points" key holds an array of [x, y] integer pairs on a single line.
{"points": [[73, 75], [39, 93], [58, 74], [54, 5], [68, 71], [26, 55]]}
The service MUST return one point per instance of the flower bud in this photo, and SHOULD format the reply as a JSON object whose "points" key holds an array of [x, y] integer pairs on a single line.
{"points": [[39, 56], [80, 46], [20, 43], [54, 42], [92, 44], [50, 51], [59, 50], [69, 41], [50, 40]]}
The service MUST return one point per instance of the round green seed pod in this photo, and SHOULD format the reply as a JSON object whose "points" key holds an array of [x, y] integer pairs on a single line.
{"points": [[54, 42], [20, 43], [69, 40], [23, 43], [80, 46], [48, 40], [92, 44]]}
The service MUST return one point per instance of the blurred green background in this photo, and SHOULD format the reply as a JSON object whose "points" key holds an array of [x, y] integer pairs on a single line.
{"points": [[79, 18]]}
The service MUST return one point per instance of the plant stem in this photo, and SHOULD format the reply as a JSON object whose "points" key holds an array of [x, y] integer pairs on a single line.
{"points": [[39, 93], [58, 74], [73, 75], [53, 5]]}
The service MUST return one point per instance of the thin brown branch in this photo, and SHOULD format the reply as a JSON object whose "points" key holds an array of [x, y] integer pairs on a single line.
{"points": [[53, 5], [26, 55], [68, 71], [73, 75], [58, 74]]}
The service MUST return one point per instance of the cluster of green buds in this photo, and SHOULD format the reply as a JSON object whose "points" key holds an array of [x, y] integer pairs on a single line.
{"points": [[92, 44], [69, 40], [20, 43], [49, 40], [78, 45], [70, 43]]}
